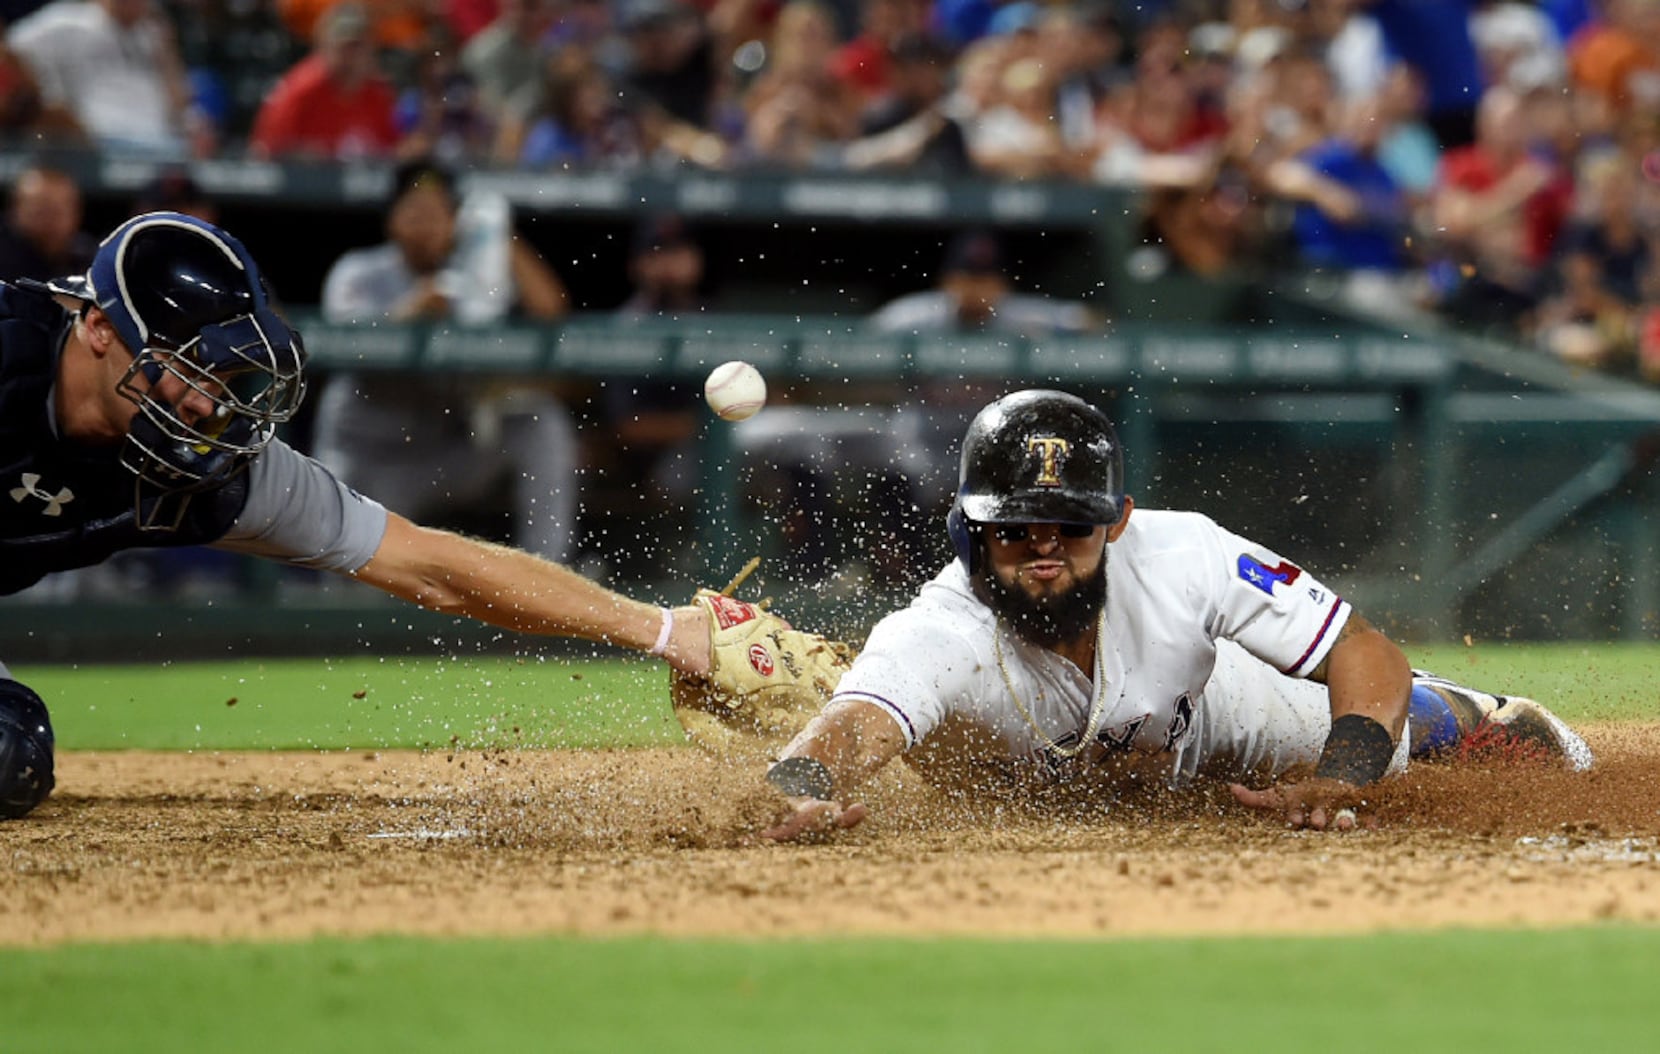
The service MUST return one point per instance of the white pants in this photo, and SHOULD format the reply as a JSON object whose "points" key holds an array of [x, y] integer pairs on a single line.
{"points": [[1253, 719]]}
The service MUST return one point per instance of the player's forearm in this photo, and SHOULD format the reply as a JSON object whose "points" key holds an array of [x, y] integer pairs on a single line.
{"points": [[852, 739], [504, 587], [1370, 685], [1368, 675], [1365, 673]]}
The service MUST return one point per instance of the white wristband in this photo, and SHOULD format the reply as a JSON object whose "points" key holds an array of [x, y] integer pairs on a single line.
{"points": [[663, 634]]}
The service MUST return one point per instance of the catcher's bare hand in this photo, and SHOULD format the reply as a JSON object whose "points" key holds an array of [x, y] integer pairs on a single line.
{"points": [[690, 649], [691, 645], [1320, 804], [809, 817]]}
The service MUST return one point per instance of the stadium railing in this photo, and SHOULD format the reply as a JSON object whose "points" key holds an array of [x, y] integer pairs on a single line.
{"points": [[1475, 457], [1464, 458]]}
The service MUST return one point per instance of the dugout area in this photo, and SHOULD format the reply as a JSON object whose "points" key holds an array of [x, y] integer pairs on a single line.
{"points": [[1448, 483], [1447, 486]]}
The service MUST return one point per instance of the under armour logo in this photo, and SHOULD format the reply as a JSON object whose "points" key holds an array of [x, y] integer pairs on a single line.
{"points": [[30, 489], [1051, 452]]}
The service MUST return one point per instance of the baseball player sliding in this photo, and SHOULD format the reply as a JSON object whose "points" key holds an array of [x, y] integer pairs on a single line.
{"points": [[138, 407], [1073, 629]]}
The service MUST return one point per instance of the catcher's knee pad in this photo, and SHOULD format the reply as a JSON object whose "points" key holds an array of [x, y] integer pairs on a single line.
{"points": [[26, 744]]}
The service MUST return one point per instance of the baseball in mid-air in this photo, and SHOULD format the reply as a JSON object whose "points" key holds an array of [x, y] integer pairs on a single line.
{"points": [[735, 390]]}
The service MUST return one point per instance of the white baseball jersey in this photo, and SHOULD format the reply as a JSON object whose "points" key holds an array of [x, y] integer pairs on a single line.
{"points": [[1166, 677]]}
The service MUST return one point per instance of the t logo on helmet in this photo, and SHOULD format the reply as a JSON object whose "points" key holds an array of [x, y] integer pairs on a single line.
{"points": [[1051, 452], [1035, 456]]}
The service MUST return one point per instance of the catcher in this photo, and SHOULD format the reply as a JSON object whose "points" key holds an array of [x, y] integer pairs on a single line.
{"points": [[139, 405], [1209, 654]]}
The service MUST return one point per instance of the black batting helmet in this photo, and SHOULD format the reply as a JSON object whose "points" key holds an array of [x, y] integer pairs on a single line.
{"points": [[1036, 456]]}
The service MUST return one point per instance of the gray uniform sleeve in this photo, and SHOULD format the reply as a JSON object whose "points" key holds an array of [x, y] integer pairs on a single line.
{"points": [[299, 513]]}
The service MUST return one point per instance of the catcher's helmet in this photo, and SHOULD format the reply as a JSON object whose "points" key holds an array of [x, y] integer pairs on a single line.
{"points": [[189, 302], [25, 750], [1036, 456]]}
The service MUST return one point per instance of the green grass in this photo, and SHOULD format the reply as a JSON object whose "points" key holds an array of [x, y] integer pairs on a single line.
{"points": [[495, 701], [1600, 682], [357, 703], [1507, 990], [1584, 989]]}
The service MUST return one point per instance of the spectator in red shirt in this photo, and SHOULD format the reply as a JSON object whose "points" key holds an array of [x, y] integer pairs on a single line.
{"points": [[466, 18], [334, 102], [1498, 205], [865, 63]]}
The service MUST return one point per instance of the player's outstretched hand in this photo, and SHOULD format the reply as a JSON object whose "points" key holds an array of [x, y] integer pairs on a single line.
{"points": [[690, 648], [812, 817], [1321, 804]]}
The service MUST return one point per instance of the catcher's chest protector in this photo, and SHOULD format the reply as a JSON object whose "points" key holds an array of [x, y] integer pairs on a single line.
{"points": [[63, 505]]}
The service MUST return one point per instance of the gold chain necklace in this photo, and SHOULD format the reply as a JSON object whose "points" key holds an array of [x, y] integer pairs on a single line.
{"points": [[1096, 709]]}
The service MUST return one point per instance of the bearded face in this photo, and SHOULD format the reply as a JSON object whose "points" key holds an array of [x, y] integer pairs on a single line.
{"points": [[1045, 613]]}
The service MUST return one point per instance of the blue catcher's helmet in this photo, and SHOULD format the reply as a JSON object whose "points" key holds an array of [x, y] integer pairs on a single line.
{"points": [[1036, 456], [189, 302]]}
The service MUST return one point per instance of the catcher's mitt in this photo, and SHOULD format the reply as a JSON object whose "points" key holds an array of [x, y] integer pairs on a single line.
{"points": [[765, 682]]}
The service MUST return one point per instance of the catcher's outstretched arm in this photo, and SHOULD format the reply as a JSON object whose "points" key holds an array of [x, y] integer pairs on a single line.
{"points": [[518, 591], [838, 750]]}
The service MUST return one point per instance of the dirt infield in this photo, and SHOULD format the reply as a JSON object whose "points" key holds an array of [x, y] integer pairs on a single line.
{"points": [[220, 846]]}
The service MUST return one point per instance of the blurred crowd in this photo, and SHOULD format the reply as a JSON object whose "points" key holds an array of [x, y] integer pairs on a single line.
{"points": [[1495, 162]]}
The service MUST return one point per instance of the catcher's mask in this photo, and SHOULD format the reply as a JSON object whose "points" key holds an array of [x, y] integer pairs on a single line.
{"points": [[189, 302], [1035, 456]]}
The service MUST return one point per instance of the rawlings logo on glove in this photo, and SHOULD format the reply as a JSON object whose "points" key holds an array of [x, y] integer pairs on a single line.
{"points": [[766, 679], [728, 612]]}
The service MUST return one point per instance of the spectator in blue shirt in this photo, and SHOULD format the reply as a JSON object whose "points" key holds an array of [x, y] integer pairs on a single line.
{"points": [[1433, 37], [1569, 15], [1351, 214]]}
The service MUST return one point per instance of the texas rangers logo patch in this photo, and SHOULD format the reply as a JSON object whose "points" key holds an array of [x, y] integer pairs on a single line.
{"points": [[729, 612], [761, 660], [1264, 577]]}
